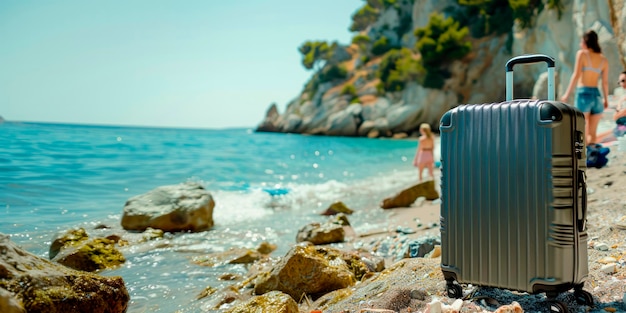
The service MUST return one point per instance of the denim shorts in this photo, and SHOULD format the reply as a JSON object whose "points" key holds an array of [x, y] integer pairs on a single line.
{"points": [[588, 100]]}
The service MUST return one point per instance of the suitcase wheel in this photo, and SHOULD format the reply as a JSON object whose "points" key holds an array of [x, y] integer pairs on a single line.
{"points": [[583, 297], [557, 306], [454, 290]]}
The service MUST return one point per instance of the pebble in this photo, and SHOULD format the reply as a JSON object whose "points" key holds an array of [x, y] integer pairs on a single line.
{"points": [[405, 230], [610, 268], [602, 246], [419, 201], [457, 305], [435, 253], [433, 307], [607, 260], [420, 294]]}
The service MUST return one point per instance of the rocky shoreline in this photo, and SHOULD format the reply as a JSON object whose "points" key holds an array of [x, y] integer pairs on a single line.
{"points": [[394, 269], [325, 108]]}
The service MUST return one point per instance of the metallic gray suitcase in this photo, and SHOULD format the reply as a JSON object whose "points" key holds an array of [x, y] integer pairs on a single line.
{"points": [[513, 195]]}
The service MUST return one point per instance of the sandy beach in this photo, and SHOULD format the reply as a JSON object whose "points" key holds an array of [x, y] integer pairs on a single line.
{"points": [[606, 246]]}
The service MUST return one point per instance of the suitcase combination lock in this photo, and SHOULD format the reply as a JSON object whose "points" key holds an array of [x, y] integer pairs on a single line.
{"points": [[579, 145]]}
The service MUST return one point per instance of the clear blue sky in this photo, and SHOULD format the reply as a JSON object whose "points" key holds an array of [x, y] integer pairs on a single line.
{"points": [[187, 63]]}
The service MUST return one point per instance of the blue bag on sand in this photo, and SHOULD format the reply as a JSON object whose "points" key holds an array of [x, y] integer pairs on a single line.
{"points": [[596, 155]]}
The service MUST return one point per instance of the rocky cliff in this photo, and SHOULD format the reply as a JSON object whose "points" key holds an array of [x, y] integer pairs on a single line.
{"points": [[476, 78]]}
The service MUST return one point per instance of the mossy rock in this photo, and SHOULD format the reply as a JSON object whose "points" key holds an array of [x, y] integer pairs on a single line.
{"points": [[70, 237], [92, 255], [271, 302]]}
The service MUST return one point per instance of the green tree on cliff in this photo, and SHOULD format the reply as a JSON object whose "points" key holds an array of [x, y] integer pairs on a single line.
{"points": [[369, 13], [363, 18], [442, 40], [381, 46], [398, 67], [363, 41], [524, 11], [381, 4], [314, 52], [485, 17]]}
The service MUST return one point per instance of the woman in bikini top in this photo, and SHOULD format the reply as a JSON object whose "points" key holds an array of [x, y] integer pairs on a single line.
{"points": [[590, 67]]}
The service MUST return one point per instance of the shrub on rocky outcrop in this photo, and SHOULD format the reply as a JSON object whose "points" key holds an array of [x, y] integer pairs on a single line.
{"points": [[314, 52], [442, 41], [363, 17], [381, 46], [349, 90], [498, 17], [333, 72], [397, 68], [362, 41], [369, 13]]}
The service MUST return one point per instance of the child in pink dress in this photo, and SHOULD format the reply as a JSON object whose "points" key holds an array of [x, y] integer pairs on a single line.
{"points": [[424, 157]]}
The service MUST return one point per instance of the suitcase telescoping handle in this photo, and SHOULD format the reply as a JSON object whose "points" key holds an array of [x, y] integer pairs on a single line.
{"points": [[525, 59]]}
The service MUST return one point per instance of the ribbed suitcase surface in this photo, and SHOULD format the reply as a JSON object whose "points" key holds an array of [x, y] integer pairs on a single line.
{"points": [[513, 195], [509, 180]]}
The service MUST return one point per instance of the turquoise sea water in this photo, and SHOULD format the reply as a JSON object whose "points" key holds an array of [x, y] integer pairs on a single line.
{"points": [[266, 186]]}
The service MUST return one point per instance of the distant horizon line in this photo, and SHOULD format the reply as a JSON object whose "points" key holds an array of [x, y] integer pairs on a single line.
{"points": [[104, 125]]}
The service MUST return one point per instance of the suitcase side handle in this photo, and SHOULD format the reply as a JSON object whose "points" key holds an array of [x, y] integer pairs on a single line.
{"points": [[582, 209], [526, 59]]}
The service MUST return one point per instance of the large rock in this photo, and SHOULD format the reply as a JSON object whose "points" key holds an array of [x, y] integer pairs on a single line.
{"points": [[344, 123], [386, 25], [182, 207], [271, 302], [377, 110], [10, 304], [47, 287], [336, 208], [310, 270], [319, 234], [75, 249], [420, 105], [231, 256], [90, 255], [397, 289], [67, 238], [406, 197], [271, 121]]}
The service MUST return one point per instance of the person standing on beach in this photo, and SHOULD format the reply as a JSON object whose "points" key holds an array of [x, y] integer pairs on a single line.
{"points": [[590, 66], [424, 156]]}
